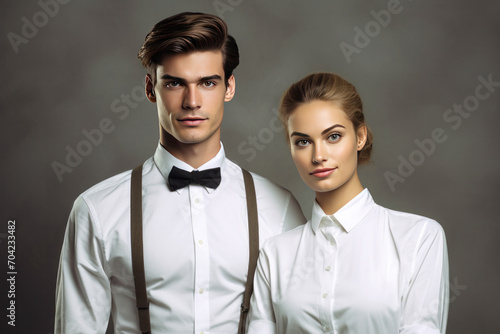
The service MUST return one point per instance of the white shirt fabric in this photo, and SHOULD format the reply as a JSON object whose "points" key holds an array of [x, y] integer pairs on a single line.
{"points": [[363, 270], [195, 250]]}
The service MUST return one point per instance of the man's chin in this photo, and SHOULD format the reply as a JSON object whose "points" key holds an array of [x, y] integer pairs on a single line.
{"points": [[191, 136], [193, 140]]}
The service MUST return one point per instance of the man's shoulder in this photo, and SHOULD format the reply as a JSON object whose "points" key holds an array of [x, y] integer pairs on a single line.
{"points": [[108, 186], [278, 209], [112, 188], [268, 186], [263, 186], [287, 240]]}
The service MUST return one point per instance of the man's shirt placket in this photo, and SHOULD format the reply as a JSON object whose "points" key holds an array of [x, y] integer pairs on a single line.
{"points": [[202, 259]]}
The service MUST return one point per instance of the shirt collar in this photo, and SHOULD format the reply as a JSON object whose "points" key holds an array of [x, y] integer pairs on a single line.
{"points": [[164, 161], [348, 216]]}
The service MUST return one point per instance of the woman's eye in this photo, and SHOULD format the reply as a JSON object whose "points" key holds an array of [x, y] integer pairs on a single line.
{"points": [[301, 142], [334, 137]]}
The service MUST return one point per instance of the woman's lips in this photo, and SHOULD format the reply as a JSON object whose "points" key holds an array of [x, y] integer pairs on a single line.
{"points": [[322, 172]]}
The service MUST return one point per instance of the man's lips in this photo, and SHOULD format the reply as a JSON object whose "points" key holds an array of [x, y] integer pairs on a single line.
{"points": [[322, 172], [192, 121]]}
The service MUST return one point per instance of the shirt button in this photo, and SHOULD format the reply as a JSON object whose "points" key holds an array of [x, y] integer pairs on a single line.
{"points": [[201, 291], [200, 242], [197, 200], [327, 329], [325, 295], [328, 268], [332, 242]]}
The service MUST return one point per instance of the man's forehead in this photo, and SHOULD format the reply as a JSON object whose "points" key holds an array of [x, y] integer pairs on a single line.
{"points": [[192, 66]]}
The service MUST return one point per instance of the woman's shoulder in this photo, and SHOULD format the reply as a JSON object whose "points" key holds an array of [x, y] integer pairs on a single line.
{"points": [[406, 222], [412, 233]]}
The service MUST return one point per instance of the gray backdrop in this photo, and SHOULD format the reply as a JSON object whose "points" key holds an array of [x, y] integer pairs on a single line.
{"points": [[420, 67]]}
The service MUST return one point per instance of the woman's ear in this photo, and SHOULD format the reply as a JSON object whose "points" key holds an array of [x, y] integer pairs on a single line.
{"points": [[362, 134]]}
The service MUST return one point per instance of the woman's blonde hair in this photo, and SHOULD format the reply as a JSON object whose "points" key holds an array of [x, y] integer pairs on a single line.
{"points": [[332, 88]]}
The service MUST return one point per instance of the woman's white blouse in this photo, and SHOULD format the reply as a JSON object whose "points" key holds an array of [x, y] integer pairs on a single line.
{"points": [[364, 270]]}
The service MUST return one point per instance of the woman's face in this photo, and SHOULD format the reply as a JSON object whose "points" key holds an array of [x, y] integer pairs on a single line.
{"points": [[324, 145]]}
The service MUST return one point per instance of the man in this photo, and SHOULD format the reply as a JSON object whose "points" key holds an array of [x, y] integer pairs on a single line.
{"points": [[195, 238]]}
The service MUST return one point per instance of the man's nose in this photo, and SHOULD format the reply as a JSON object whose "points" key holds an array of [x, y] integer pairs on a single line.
{"points": [[192, 98]]}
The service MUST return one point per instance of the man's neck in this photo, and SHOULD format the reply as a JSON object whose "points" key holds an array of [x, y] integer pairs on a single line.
{"points": [[195, 155]]}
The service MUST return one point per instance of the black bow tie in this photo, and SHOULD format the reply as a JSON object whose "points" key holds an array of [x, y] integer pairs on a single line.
{"points": [[179, 178]]}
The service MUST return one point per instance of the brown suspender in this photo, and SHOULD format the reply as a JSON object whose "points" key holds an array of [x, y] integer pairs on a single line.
{"points": [[141, 294], [138, 257], [253, 235]]}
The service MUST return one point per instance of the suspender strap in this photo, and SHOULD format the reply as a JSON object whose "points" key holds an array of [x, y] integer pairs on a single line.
{"points": [[137, 250], [253, 233], [138, 256]]}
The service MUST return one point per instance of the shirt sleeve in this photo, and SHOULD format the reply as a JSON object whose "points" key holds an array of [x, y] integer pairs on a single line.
{"points": [[83, 298], [261, 319], [425, 305], [292, 216]]}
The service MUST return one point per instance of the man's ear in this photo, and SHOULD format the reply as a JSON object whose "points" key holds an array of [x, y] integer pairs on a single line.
{"points": [[362, 134], [150, 89], [230, 89]]}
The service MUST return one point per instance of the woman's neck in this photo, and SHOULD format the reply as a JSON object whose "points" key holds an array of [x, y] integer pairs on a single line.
{"points": [[332, 201]]}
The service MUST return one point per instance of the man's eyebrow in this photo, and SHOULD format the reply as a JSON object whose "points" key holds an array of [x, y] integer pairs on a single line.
{"points": [[182, 80], [211, 77], [171, 77]]}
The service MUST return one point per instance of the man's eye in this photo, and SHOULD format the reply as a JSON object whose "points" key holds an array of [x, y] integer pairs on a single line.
{"points": [[209, 84], [172, 84]]}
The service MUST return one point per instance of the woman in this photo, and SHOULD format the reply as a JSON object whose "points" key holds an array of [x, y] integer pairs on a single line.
{"points": [[355, 267]]}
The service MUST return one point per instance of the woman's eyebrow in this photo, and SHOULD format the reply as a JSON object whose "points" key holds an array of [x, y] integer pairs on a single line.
{"points": [[331, 128], [300, 134]]}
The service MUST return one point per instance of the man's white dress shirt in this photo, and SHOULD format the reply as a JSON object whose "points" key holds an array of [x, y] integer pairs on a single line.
{"points": [[195, 250], [363, 270]]}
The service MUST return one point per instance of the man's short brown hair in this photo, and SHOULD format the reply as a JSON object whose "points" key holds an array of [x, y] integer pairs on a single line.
{"points": [[188, 32]]}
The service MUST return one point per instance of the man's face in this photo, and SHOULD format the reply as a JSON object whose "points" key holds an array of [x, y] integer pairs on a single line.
{"points": [[190, 95]]}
